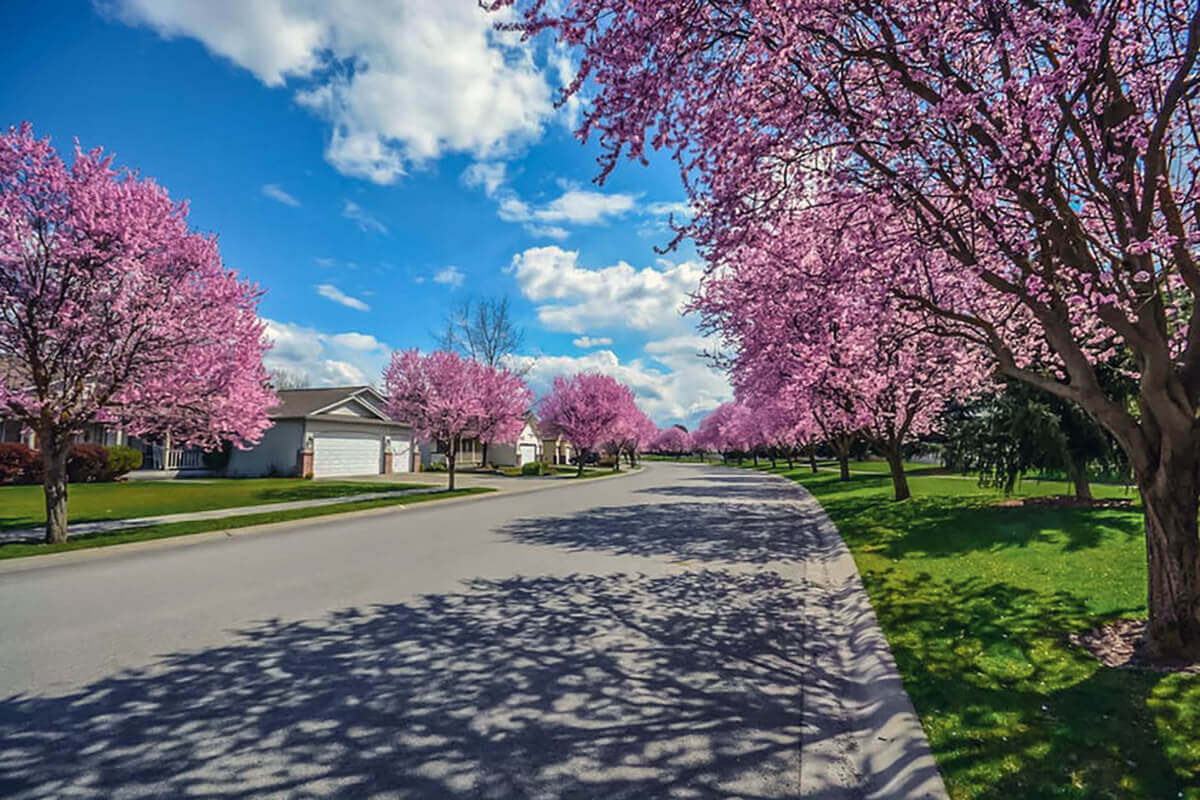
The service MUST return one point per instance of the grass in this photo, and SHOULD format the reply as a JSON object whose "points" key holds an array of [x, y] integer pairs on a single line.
{"points": [[977, 600], [170, 530], [24, 506]]}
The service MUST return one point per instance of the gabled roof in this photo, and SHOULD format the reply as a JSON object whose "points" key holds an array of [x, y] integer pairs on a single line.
{"points": [[303, 403]]}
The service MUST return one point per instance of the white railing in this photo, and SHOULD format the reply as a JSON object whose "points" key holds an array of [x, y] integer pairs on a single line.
{"points": [[177, 458]]}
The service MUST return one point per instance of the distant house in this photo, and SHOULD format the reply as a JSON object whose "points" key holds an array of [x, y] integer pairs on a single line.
{"points": [[555, 447], [527, 448], [326, 433]]}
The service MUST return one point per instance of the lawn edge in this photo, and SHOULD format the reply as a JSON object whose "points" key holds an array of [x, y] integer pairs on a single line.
{"points": [[18, 564]]}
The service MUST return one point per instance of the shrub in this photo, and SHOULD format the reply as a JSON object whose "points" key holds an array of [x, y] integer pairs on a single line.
{"points": [[87, 463], [535, 468], [122, 459], [218, 460], [607, 461], [19, 464]]}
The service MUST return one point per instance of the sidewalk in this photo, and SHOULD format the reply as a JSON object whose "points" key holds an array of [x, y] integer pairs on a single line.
{"points": [[82, 528], [436, 482]]}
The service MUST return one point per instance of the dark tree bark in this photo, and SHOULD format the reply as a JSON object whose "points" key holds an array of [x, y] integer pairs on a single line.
{"points": [[895, 462], [1170, 507], [450, 459], [55, 451], [1079, 478], [841, 447]]}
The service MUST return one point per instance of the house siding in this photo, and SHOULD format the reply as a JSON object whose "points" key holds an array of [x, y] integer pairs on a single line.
{"points": [[276, 452]]}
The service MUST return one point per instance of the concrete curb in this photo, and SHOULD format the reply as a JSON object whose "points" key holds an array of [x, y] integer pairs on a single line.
{"points": [[14, 566], [890, 750]]}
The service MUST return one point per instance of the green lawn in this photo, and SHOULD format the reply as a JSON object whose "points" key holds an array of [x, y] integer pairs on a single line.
{"points": [[173, 529], [977, 601], [24, 506]]}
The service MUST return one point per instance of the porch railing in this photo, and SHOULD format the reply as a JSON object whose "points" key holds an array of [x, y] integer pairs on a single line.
{"points": [[177, 458]]}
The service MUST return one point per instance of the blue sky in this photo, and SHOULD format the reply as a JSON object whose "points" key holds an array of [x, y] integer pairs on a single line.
{"points": [[371, 164]]}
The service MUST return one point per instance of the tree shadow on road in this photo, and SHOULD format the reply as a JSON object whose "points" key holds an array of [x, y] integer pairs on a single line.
{"points": [[686, 685], [719, 531]]}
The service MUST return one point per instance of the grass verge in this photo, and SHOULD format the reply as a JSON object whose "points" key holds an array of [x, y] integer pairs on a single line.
{"points": [[25, 506], [173, 529], [977, 600]]}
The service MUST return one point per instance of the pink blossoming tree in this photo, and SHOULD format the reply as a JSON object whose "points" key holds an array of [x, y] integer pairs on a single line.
{"points": [[1038, 164], [588, 408], [112, 310], [673, 441], [448, 398]]}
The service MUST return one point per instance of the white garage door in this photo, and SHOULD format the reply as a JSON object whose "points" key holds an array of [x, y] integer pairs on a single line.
{"points": [[528, 453], [401, 455], [346, 454]]}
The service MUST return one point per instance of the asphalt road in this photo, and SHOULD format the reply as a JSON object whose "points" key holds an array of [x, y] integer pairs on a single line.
{"points": [[687, 632]]}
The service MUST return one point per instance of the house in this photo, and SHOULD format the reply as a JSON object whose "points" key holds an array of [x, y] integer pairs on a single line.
{"points": [[527, 448], [555, 447], [326, 433], [158, 455], [470, 453]]}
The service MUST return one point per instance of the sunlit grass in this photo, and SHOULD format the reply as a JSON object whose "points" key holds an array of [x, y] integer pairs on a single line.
{"points": [[977, 599]]}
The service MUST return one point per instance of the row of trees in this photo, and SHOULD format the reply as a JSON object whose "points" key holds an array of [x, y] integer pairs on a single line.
{"points": [[449, 398], [112, 310], [1011, 185]]}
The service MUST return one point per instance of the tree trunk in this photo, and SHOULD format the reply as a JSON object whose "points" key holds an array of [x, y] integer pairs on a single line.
{"points": [[841, 446], [54, 466], [899, 479], [450, 458], [1170, 503], [756, 458], [772, 458], [483, 455], [1079, 478], [812, 462], [581, 455]]}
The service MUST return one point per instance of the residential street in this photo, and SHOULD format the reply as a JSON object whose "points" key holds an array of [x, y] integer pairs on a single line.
{"points": [[687, 631]]}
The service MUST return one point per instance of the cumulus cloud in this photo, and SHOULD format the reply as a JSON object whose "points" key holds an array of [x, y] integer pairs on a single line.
{"points": [[588, 342], [336, 359], [450, 276], [274, 192], [367, 223], [331, 292], [574, 206], [575, 299], [400, 82]]}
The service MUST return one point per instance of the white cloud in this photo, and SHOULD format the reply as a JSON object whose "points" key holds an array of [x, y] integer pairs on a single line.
{"points": [[400, 82], [588, 342], [331, 292], [450, 276], [365, 221], [323, 261], [680, 210], [337, 359], [273, 191], [683, 392], [359, 342], [574, 299], [574, 206]]}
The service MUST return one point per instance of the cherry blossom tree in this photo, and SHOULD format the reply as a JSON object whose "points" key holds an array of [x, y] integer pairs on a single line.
{"points": [[586, 407], [448, 398], [504, 402], [112, 310], [629, 433], [1039, 165], [673, 441]]}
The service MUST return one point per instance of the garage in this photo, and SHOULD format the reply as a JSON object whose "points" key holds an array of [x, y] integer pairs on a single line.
{"points": [[401, 455], [528, 452], [337, 454]]}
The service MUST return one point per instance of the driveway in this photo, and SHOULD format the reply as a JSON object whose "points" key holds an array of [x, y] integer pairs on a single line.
{"points": [[686, 631]]}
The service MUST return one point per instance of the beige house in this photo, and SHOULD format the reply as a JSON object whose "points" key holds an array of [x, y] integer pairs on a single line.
{"points": [[325, 433]]}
